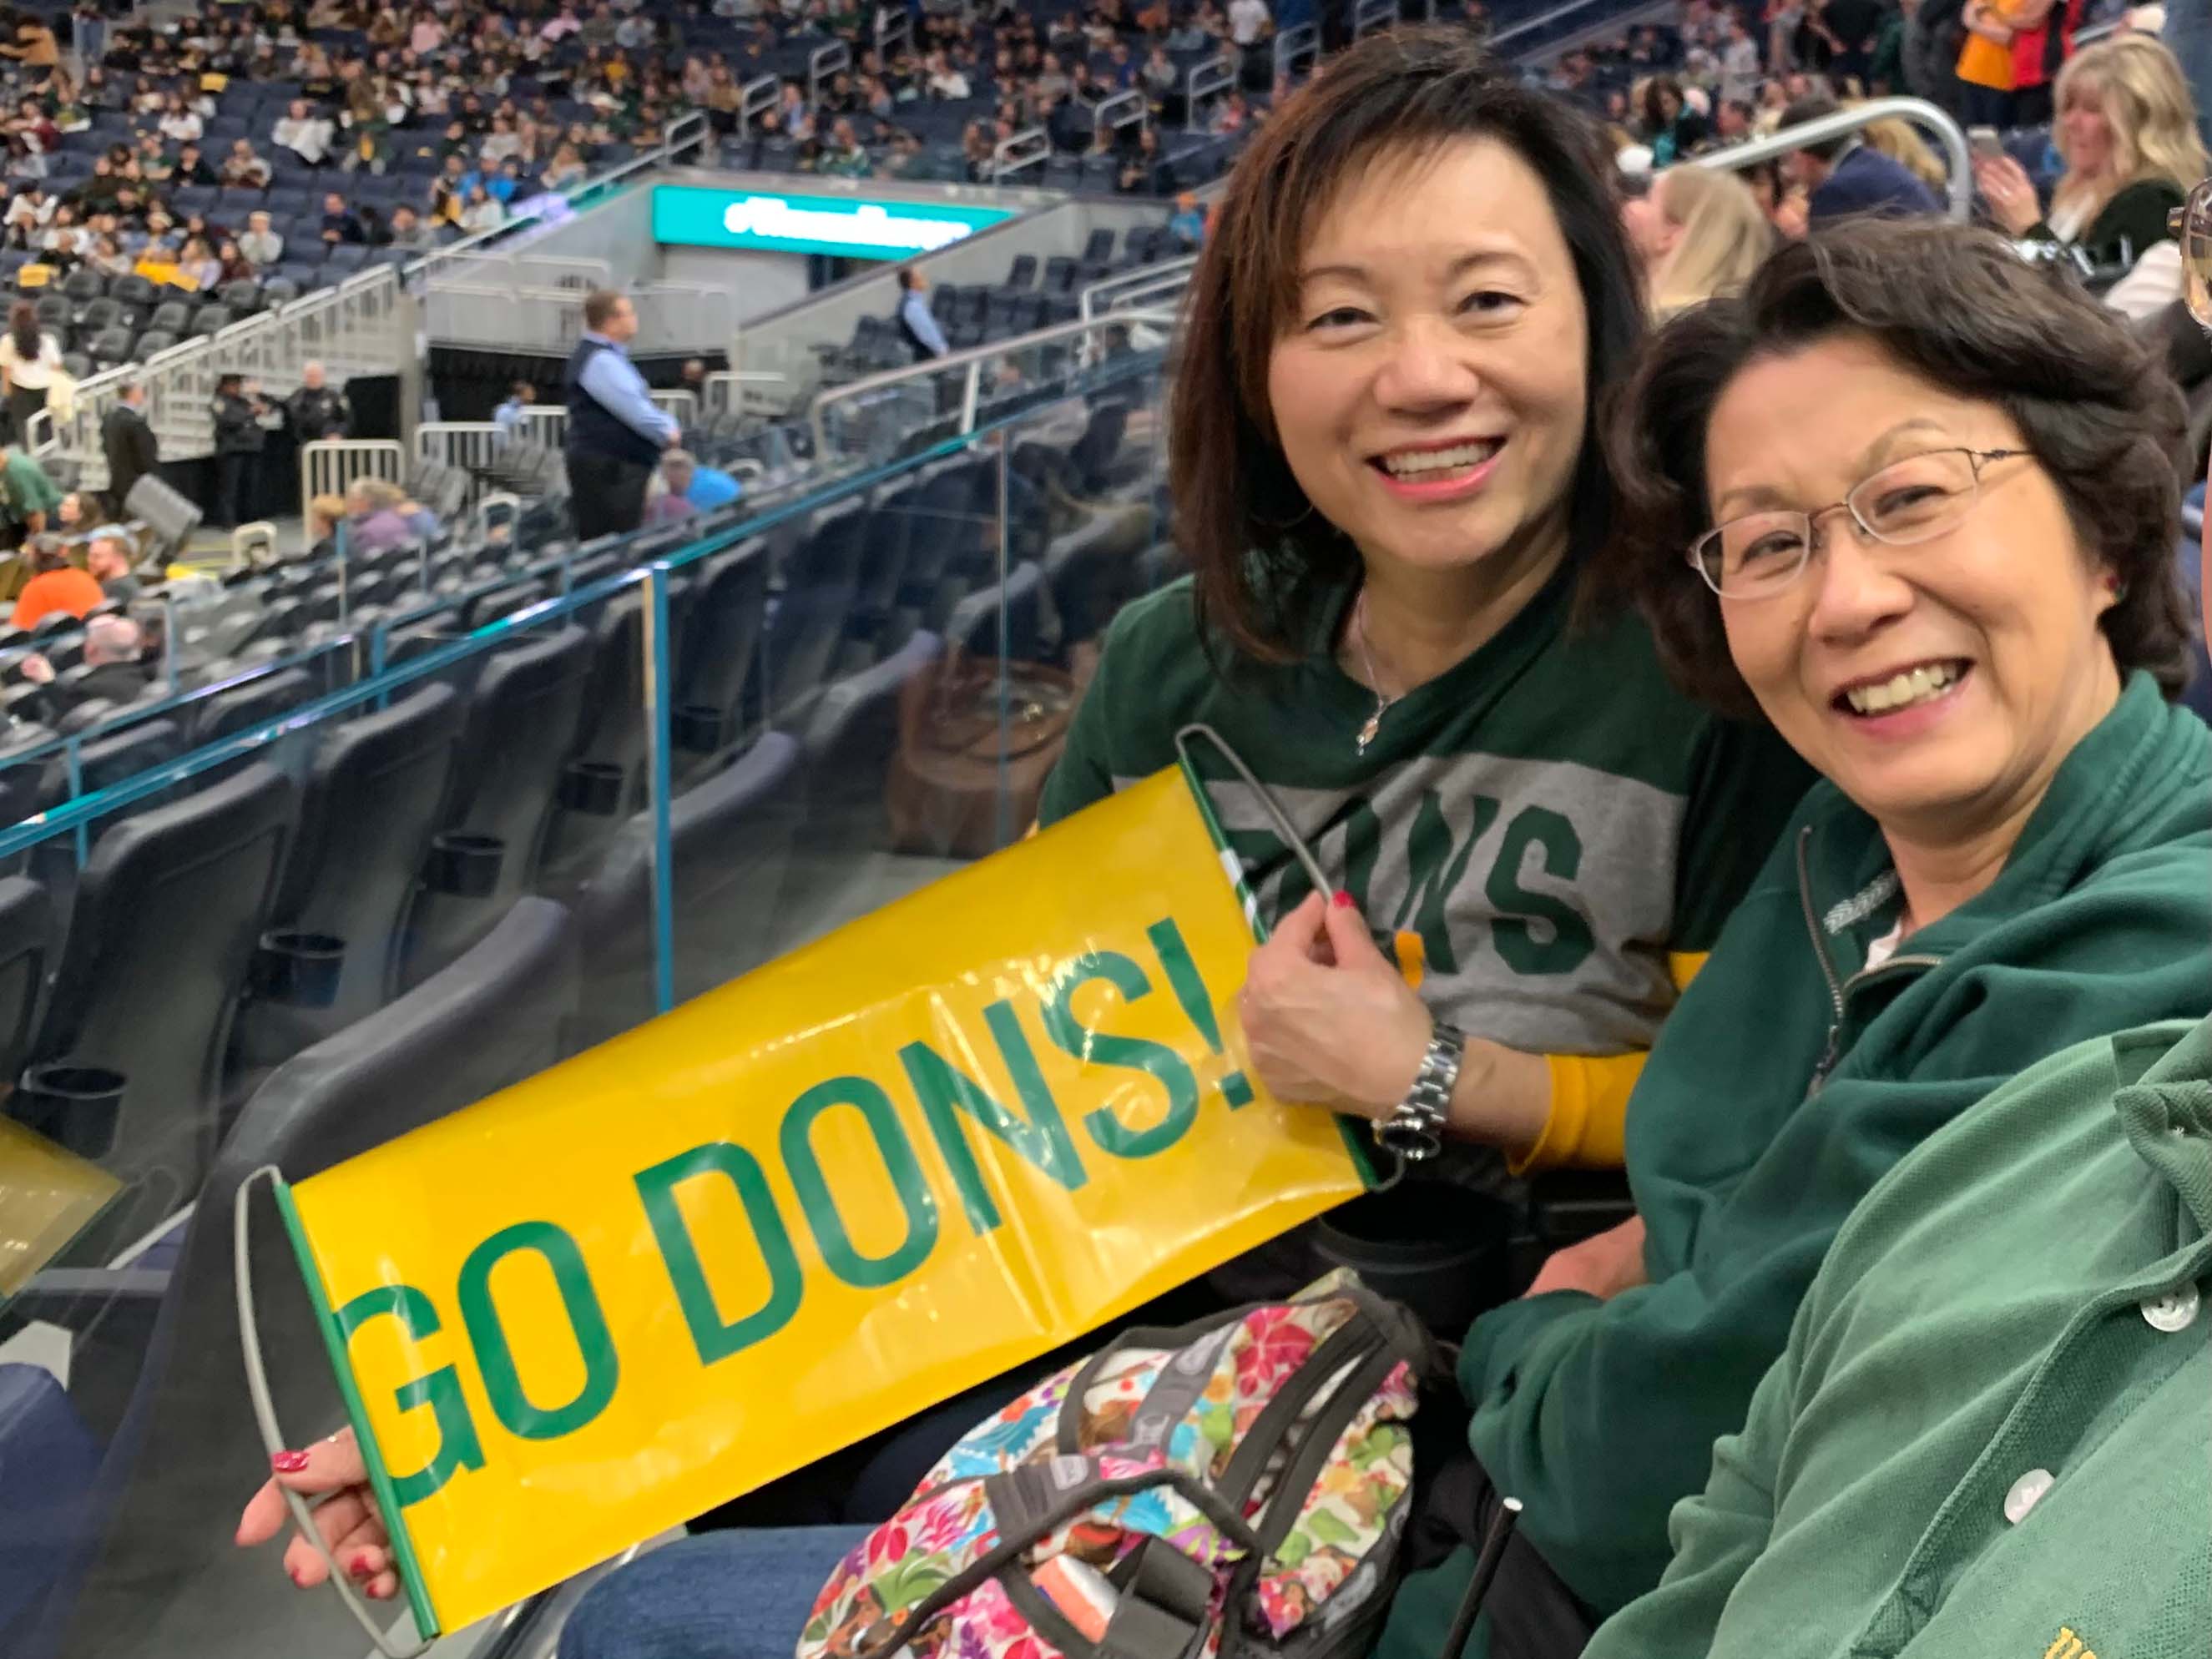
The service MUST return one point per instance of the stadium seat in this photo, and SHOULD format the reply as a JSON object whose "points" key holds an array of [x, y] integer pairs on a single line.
{"points": [[245, 706], [373, 795], [160, 933], [720, 647], [25, 930], [731, 835], [521, 729], [851, 736], [809, 617], [160, 1575]]}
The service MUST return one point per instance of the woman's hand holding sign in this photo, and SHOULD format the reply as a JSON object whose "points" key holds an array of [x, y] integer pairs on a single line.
{"points": [[1331, 1022], [333, 1471]]}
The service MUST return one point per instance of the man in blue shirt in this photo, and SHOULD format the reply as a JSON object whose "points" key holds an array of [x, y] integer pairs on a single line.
{"points": [[923, 336], [705, 487], [1844, 176], [508, 416], [615, 434]]}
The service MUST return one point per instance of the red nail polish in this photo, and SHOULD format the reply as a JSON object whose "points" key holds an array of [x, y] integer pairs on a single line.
{"points": [[363, 1566], [288, 1462], [293, 1573], [1343, 900]]}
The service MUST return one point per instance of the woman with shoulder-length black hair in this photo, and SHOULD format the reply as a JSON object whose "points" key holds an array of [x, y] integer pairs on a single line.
{"points": [[1415, 296]]}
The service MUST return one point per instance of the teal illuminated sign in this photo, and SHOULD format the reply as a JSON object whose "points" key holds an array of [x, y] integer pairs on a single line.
{"points": [[783, 223]]}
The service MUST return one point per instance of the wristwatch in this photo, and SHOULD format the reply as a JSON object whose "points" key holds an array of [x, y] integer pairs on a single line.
{"points": [[1415, 1129]]}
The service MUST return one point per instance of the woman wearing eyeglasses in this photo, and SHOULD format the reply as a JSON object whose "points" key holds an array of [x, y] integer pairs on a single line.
{"points": [[1912, 501]]}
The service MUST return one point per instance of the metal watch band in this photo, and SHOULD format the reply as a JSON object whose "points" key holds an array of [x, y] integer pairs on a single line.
{"points": [[1415, 1130]]}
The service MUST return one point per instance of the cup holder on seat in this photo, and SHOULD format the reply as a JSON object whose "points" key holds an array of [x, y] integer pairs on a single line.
{"points": [[75, 1107], [467, 867], [700, 728], [299, 969], [592, 786]]}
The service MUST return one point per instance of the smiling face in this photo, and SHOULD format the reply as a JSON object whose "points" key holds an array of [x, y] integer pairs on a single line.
{"points": [[2088, 132], [1979, 650], [1429, 387]]}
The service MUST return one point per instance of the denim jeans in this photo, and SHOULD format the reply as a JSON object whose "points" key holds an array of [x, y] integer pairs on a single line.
{"points": [[737, 1595], [2188, 32]]}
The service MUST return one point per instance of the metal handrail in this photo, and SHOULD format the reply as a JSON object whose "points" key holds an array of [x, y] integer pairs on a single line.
{"points": [[1368, 14], [1299, 43], [1845, 122], [972, 361], [1215, 74], [756, 97], [1026, 149], [1123, 109], [1141, 280], [823, 63], [1541, 20]]}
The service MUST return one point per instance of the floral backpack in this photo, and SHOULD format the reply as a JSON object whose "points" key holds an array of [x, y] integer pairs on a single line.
{"points": [[1238, 1488]]}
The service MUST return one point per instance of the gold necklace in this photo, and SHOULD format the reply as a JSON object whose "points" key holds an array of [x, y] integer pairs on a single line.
{"points": [[1383, 699]]}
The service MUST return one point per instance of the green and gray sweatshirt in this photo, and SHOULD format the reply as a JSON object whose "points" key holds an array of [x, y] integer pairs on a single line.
{"points": [[1546, 837], [1789, 1080]]}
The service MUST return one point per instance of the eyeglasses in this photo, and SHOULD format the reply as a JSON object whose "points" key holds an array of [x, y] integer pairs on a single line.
{"points": [[2192, 228], [1914, 500]]}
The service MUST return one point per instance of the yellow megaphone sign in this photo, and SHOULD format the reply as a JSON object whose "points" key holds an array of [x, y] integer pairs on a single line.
{"points": [[946, 1139]]}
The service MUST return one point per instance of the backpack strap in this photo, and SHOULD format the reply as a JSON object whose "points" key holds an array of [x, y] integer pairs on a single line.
{"points": [[1166, 1600]]}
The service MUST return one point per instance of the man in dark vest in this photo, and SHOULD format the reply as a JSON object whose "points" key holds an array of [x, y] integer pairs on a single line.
{"points": [[615, 434], [915, 323]]}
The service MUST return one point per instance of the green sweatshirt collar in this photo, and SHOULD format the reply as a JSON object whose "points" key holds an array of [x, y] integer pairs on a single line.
{"points": [[1849, 886]]}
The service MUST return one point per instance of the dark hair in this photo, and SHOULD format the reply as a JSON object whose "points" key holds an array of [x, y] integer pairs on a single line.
{"points": [[229, 385], [1812, 106], [23, 329], [1267, 564], [1960, 308], [905, 279], [1661, 85], [599, 306]]}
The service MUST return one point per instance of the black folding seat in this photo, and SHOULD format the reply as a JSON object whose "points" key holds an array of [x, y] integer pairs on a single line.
{"points": [[1098, 249], [1092, 573], [161, 1575], [25, 936], [374, 794], [851, 734], [720, 645], [249, 705], [1022, 272], [732, 835], [126, 1065], [816, 602], [974, 626], [521, 731]]}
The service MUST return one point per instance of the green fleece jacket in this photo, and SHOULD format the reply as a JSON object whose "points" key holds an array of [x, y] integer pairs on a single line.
{"points": [[1786, 1082], [1990, 1432]]}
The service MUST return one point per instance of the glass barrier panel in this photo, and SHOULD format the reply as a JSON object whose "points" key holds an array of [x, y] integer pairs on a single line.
{"points": [[284, 947]]}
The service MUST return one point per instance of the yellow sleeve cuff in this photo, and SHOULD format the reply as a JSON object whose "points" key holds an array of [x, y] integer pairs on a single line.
{"points": [[1586, 1126]]}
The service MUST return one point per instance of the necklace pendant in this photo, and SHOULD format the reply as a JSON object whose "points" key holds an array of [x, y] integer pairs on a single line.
{"points": [[1367, 732]]}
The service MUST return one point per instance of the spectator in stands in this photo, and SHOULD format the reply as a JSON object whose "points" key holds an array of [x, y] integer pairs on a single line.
{"points": [[180, 124], [306, 134], [29, 356], [1699, 233], [482, 211], [507, 416], [706, 488], [239, 439], [374, 521], [191, 167], [128, 443], [916, 324], [567, 169], [1187, 224], [56, 585], [1847, 176], [260, 244], [2127, 130], [318, 409], [665, 505], [1672, 129], [615, 434], [242, 167], [340, 222], [108, 557], [34, 46], [408, 231], [197, 266]]}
